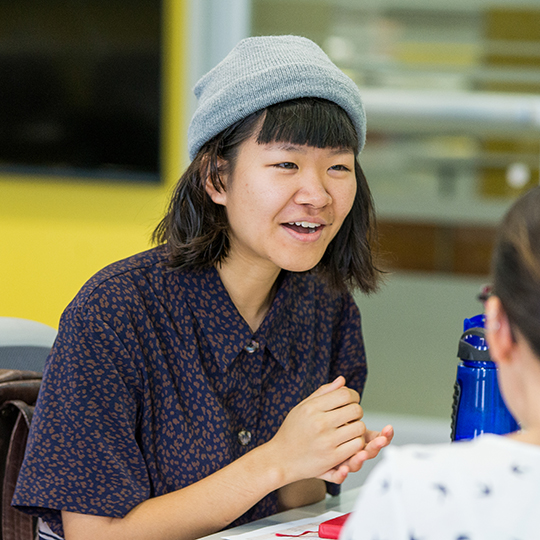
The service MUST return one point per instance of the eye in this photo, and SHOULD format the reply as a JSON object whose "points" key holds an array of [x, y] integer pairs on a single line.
{"points": [[340, 168], [285, 165]]}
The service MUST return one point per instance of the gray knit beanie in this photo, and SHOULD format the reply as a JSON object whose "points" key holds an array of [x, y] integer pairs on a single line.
{"points": [[262, 71]]}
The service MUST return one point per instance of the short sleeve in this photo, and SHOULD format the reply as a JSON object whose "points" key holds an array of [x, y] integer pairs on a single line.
{"points": [[82, 454]]}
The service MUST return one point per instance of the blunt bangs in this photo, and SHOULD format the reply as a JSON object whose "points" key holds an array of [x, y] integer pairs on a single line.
{"points": [[313, 122]]}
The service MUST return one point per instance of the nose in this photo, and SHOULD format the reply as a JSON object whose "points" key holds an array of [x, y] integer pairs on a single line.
{"points": [[312, 192]]}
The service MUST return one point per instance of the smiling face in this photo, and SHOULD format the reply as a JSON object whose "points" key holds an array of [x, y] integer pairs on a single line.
{"points": [[285, 203]]}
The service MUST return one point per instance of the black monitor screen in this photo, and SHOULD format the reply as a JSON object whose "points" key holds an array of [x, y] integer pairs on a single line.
{"points": [[80, 88]]}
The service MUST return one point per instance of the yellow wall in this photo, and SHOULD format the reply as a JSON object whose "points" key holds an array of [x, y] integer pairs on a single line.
{"points": [[55, 233]]}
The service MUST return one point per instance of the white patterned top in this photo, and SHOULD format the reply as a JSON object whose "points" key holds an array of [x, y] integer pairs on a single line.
{"points": [[484, 489]]}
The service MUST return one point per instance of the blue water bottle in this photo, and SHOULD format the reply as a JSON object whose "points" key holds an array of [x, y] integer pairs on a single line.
{"points": [[478, 406]]}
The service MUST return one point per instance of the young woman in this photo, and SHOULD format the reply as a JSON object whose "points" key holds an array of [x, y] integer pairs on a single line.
{"points": [[216, 379], [488, 488]]}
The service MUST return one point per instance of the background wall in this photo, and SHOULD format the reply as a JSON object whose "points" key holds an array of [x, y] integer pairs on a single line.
{"points": [[412, 328], [55, 233]]}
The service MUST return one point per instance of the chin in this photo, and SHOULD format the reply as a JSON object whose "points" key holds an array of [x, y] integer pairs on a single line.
{"points": [[297, 260], [296, 266]]}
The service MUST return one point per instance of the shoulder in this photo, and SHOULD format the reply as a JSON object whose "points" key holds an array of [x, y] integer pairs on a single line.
{"points": [[481, 451], [416, 459], [147, 262], [136, 292], [141, 275], [460, 469], [424, 488], [413, 472]]}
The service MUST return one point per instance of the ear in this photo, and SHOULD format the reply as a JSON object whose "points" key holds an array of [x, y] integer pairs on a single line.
{"points": [[219, 196], [498, 331]]}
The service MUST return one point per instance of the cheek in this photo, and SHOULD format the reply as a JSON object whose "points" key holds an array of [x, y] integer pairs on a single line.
{"points": [[344, 200], [352, 195], [248, 206]]}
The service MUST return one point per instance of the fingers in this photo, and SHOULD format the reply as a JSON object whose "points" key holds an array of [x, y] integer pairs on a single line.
{"points": [[333, 396], [337, 389], [374, 446], [338, 382], [387, 432], [338, 415], [341, 398], [321, 433], [344, 416], [376, 441], [371, 449], [337, 475]]}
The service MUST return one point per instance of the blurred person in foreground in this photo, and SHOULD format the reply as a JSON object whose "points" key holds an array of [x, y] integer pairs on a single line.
{"points": [[489, 487]]}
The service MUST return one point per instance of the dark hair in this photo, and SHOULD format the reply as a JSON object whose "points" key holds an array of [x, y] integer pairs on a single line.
{"points": [[196, 230], [516, 266]]}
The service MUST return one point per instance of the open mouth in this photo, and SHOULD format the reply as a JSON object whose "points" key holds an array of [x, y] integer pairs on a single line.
{"points": [[303, 227]]}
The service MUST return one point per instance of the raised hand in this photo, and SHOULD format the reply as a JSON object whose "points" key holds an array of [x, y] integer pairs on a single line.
{"points": [[320, 433], [374, 442]]}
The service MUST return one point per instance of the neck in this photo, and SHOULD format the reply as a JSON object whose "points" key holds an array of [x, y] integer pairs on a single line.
{"points": [[519, 378], [530, 436], [251, 289]]}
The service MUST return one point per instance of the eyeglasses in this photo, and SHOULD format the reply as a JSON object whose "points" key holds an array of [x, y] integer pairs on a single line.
{"points": [[485, 293]]}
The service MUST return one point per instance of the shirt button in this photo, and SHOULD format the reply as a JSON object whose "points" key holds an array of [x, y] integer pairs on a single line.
{"points": [[244, 437], [252, 346]]}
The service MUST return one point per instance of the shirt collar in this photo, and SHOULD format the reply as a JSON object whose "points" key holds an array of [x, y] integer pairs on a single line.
{"points": [[226, 330], [292, 322], [277, 325]]}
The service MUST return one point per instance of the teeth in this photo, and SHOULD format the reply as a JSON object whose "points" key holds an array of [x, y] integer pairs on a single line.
{"points": [[305, 224]]}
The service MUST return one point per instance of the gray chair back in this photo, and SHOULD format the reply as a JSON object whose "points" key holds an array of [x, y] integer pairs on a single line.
{"points": [[24, 344]]}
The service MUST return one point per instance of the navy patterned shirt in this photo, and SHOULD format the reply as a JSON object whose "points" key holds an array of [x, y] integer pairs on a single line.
{"points": [[156, 381]]}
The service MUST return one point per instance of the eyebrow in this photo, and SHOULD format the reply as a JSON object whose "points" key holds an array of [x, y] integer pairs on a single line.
{"points": [[301, 148]]}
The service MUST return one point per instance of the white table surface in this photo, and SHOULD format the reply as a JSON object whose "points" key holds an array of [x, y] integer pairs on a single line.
{"points": [[341, 503]]}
